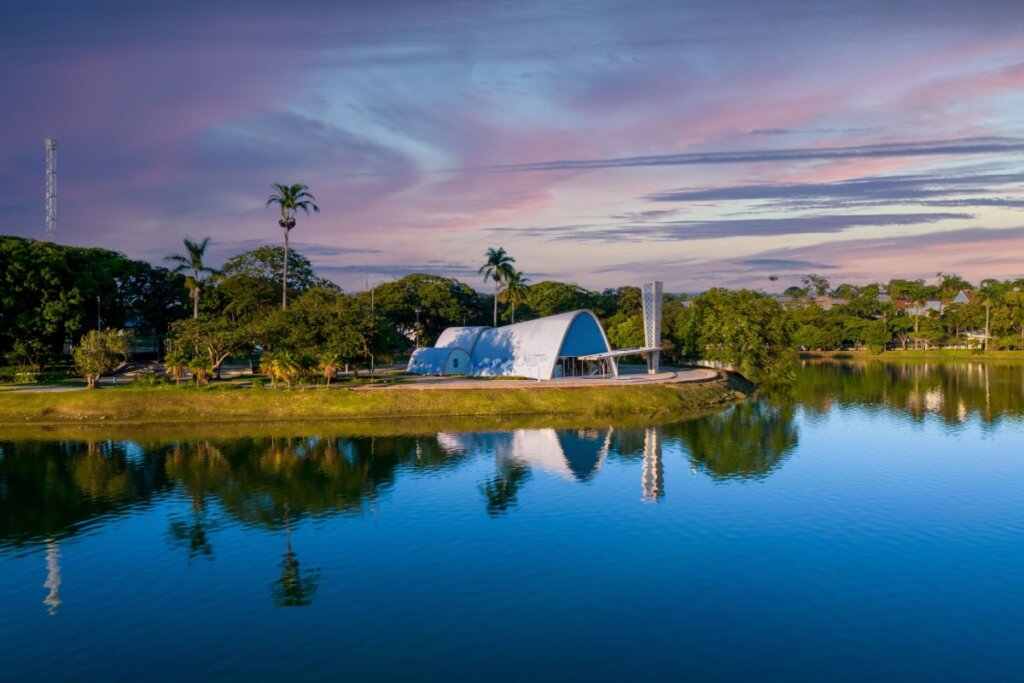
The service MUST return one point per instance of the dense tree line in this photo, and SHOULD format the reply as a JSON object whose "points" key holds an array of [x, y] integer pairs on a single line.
{"points": [[51, 295], [950, 312], [205, 316]]}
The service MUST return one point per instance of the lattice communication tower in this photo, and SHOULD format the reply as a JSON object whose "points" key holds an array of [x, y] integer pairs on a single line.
{"points": [[51, 188]]}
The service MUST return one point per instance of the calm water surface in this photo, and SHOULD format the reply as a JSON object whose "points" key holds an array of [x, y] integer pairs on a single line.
{"points": [[868, 526]]}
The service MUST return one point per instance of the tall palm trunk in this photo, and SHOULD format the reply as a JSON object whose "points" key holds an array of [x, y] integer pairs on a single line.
{"points": [[496, 302], [988, 308], [195, 302], [513, 312], [284, 281]]}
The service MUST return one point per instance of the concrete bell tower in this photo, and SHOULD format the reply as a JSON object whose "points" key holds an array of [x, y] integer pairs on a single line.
{"points": [[651, 297]]}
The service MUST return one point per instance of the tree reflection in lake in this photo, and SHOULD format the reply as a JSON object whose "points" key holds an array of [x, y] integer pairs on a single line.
{"points": [[501, 490], [52, 489], [952, 390], [746, 441], [293, 589], [197, 471]]}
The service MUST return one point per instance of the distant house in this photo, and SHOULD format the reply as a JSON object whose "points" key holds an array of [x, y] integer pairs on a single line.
{"points": [[962, 297], [826, 303], [926, 308]]}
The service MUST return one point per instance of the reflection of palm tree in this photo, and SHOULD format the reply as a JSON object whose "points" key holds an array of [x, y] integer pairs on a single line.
{"points": [[194, 535], [293, 589], [501, 491], [199, 471]]}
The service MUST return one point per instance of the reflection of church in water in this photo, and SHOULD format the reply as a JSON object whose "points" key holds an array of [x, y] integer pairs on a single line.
{"points": [[575, 455]]}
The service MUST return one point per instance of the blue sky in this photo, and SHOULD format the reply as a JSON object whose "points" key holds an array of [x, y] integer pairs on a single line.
{"points": [[703, 143]]}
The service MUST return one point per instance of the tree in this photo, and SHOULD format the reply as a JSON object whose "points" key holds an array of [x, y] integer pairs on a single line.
{"points": [[795, 292], [176, 363], [210, 340], [100, 352], [515, 290], [951, 284], [281, 366], [989, 294], [330, 364], [441, 302], [816, 283], [291, 199], [747, 330], [249, 283], [497, 268], [49, 292], [550, 298], [192, 260]]}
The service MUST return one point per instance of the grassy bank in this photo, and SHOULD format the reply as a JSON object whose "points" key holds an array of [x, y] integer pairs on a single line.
{"points": [[171, 405], [917, 354]]}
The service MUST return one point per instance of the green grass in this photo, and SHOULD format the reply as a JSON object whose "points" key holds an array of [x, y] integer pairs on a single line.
{"points": [[128, 405]]}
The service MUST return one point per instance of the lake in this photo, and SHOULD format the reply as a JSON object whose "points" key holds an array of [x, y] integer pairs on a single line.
{"points": [[869, 524]]}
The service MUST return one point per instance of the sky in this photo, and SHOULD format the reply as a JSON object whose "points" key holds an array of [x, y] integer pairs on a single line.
{"points": [[605, 143]]}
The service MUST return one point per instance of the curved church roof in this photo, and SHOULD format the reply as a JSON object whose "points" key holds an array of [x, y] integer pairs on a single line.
{"points": [[431, 360], [460, 337], [532, 348]]}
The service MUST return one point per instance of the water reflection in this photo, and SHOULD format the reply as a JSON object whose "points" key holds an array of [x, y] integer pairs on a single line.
{"points": [[747, 441], [52, 490], [52, 599], [952, 390], [653, 475], [293, 588]]}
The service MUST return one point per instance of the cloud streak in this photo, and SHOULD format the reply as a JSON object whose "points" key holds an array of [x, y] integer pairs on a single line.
{"points": [[725, 228], [959, 147]]}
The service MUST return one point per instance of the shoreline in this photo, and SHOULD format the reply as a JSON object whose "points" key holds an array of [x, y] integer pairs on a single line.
{"points": [[168, 407], [898, 356]]}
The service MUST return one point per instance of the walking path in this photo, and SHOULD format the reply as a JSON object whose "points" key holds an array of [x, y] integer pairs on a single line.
{"points": [[629, 377]]}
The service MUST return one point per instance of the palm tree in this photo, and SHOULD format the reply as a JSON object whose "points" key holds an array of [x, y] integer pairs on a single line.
{"points": [[515, 290], [291, 198], [176, 363], [331, 364], [192, 260], [990, 294], [498, 268]]}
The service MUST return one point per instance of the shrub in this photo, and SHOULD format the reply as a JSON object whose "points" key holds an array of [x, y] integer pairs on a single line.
{"points": [[151, 379], [26, 377]]}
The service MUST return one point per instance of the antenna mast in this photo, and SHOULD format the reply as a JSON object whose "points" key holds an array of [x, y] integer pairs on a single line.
{"points": [[51, 188]]}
